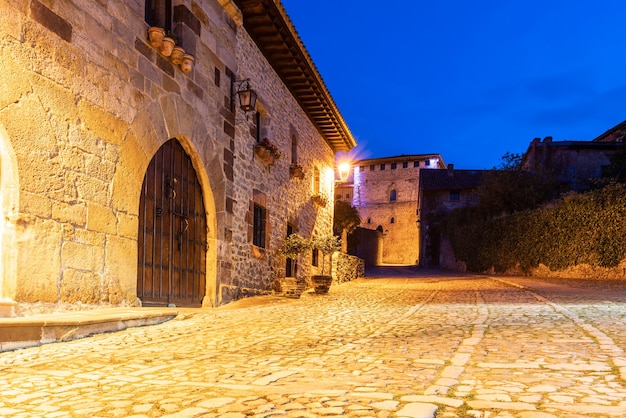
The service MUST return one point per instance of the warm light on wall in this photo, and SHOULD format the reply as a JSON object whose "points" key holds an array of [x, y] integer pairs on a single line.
{"points": [[329, 180]]}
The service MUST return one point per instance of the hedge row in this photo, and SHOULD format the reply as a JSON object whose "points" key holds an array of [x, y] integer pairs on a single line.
{"points": [[587, 228]]}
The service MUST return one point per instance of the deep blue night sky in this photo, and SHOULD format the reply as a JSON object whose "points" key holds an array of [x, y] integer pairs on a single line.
{"points": [[468, 80]]}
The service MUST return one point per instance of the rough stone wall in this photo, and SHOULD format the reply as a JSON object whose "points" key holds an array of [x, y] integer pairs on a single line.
{"points": [[288, 198], [346, 267], [85, 103]]}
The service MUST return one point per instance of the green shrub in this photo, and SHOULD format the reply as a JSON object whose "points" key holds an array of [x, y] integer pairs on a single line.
{"points": [[587, 228]]}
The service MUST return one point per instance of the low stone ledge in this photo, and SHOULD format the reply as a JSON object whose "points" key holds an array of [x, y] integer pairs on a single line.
{"points": [[22, 332]]}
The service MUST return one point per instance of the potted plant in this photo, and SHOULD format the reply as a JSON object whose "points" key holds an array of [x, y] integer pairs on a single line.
{"points": [[327, 245], [156, 35], [169, 41], [292, 247], [267, 152]]}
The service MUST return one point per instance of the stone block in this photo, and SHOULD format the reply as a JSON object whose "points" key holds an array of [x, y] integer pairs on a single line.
{"points": [[80, 286], [99, 168], [37, 240], [35, 204], [75, 214], [127, 225], [84, 236], [81, 256], [101, 219], [99, 124], [51, 20], [121, 270]]}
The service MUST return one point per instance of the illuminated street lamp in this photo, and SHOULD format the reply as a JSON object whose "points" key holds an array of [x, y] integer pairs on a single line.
{"points": [[344, 171]]}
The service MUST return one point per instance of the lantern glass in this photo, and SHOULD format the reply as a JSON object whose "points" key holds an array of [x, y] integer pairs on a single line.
{"points": [[247, 99], [344, 171]]}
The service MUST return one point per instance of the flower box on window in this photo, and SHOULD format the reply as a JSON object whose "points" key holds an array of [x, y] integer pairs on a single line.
{"points": [[296, 171], [267, 152], [320, 200]]}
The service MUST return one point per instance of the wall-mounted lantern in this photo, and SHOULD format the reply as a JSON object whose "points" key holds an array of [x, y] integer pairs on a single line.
{"points": [[247, 96]]}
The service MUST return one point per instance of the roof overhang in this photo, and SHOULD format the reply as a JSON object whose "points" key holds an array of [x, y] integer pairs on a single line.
{"points": [[271, 29]]}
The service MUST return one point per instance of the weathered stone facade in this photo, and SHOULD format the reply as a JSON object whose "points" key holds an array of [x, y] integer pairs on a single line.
{"points": [[575, 163], [85, 104], [386, 196]]}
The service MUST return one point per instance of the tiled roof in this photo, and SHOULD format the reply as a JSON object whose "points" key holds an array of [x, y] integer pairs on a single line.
{"points": [[446, 179]]}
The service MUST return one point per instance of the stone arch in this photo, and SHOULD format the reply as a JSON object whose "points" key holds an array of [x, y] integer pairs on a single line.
{"points": [[9, 205], [169, 117]]}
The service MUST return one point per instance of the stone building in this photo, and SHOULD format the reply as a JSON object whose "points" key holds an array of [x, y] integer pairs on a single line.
{"points": [[385, 192], [128, 178], [442, 191], [574, 163]]}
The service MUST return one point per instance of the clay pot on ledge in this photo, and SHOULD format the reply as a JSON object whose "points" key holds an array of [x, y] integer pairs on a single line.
{"points": [[177, 55], [168, 46], [187, 64], [155, 36]]}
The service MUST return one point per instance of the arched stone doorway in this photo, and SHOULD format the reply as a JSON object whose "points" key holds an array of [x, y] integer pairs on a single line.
{"points": [[172, 240]]}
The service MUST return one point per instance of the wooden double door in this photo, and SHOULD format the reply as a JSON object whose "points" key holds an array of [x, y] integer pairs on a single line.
{"points": [[172, 238]]}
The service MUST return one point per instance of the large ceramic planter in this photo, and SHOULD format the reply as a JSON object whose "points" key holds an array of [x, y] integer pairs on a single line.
{"points": [[321, 284], [187, 64], [155, 36], [167, 46], [177, 55]]}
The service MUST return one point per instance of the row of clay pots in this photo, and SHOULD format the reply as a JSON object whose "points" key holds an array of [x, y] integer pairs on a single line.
{"points": [[168, 48]]}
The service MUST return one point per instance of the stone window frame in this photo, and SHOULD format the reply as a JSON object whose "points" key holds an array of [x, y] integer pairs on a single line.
{"points": [[393, 195], [394, 166], [405, 164]]}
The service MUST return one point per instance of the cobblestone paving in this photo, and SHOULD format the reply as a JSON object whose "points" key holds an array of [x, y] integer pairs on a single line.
{"points": [[399, 347]]}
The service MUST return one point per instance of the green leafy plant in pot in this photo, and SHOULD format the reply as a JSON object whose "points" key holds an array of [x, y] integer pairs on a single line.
{"points": [[327, 245], [293, 246]]}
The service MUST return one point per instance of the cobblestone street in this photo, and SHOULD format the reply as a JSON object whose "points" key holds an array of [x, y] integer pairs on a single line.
{"points": [[424, 346]]}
